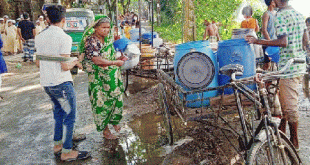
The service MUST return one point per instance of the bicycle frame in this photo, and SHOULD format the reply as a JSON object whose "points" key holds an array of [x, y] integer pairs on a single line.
{"points": [[265, 122], [258, 98]]}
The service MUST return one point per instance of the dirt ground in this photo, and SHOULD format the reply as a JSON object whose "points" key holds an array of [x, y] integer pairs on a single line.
{"points": [[26, 126]]}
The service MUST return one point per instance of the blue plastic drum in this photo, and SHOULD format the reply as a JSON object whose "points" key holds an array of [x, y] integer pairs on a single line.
{"points": [[148, 35], [196, 68], [236, 51]]}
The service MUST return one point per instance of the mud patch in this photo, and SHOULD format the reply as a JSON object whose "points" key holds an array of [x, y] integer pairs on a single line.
{"points": [[210, 146]]}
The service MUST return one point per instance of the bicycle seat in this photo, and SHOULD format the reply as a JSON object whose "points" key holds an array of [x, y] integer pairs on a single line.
{"points": [[231, 68]]}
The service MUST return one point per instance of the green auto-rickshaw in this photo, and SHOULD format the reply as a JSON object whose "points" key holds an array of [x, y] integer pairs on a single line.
{"points": [[77, 19]]}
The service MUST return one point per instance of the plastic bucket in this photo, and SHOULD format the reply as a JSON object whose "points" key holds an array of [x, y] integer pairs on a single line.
{"points": [[121, 44], [273, 52], [236, 51], [148, 35], [195, 53]]}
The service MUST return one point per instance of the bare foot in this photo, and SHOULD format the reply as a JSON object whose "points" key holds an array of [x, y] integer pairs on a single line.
{"points": [[107, 134], [117, 128]]}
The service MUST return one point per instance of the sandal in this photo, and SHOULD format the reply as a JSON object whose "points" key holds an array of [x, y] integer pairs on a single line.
{"points": [[81, 156], [58, 153]]}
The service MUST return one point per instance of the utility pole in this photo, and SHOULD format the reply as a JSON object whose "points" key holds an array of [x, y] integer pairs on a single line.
{"points": [[139, 19], [189, 25], [152, 20], [158, 12], [116, 13], [149, 11]]}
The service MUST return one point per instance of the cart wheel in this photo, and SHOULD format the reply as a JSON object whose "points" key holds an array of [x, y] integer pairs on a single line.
{"points": [[165, 111], [125, 74]]}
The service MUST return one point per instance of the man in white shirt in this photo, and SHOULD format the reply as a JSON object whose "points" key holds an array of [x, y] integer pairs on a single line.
{"points": [[57, 80]]}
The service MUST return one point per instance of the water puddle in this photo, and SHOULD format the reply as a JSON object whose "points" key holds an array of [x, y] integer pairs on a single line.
{"points": [[137, 84], [144, 141]]}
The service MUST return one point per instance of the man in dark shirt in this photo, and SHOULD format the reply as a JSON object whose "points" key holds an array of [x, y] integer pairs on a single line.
{"points": [[26, 32]]}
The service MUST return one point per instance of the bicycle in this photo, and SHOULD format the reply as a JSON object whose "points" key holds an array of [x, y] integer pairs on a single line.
{"points": [[267, 145], [262, 144]]}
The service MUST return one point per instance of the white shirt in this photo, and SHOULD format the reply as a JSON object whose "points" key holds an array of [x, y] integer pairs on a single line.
{"points": [[53, 41]]}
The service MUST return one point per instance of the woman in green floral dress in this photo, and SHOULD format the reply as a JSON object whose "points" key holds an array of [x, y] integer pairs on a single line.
{"points": [[105, 83]]}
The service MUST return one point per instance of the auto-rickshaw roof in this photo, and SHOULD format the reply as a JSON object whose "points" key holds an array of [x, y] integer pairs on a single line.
{"points": [[79, 12]]}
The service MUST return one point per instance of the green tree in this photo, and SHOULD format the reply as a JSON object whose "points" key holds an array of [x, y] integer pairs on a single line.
{"points": [[68, 3], [125, 5], [222, 11], [172, 16]]}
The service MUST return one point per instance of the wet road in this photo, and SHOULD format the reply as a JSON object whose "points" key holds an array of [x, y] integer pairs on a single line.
{"points": [[26, 125], [304, 128]]}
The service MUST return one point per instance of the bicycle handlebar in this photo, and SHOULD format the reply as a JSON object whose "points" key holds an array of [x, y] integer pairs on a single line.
{"points": [[299, 60], [275, 74]]}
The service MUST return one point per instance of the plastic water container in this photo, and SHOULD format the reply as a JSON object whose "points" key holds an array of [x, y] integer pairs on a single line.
{"points": [[148, 35], [193, 61], [274, 53], [133, 54], [134, 34], [157, 42], [236, 51], [121, 44]]}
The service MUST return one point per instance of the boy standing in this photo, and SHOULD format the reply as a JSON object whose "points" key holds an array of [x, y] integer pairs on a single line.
{"points": [[57, 80]]}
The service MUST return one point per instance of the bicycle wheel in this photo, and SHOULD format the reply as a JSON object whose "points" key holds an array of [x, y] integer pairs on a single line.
{"points": [[260, 151], [166, 113]]}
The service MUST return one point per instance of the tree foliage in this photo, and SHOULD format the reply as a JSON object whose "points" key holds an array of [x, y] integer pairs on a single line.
{"points": [[68, 3], [125, 5], [14, 8], [111, 6], [171, 18], [258, 13], [222, 11]]}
